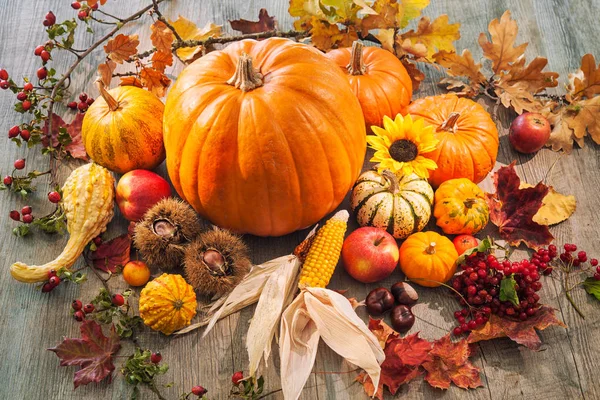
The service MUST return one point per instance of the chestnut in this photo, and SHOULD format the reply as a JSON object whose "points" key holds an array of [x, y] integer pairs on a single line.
{"points": [[402, 318], [404, 293], [379, 301]]}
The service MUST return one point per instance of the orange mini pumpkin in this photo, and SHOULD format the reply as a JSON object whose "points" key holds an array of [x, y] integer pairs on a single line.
{"points": [[428, 258], [263, 137], [468, 138], [378, 79]]}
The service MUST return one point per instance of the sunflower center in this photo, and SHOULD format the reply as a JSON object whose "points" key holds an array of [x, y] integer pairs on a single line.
{"points": [[403, 150]]}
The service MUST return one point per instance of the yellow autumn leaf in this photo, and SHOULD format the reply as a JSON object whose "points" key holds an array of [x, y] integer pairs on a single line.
{"points": [[409, 10], [386, 38], [501, 49], [189, 31], [555, 208], [436, 36], [534, 79], [586, 81]]}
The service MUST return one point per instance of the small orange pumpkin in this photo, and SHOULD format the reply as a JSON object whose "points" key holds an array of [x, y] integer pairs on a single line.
{"points": [[460, 207], [167, 303], [122, 129], [468, 137], [378, 79], [428, 258]]}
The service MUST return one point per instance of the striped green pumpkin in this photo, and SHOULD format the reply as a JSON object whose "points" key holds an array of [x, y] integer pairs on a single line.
{"points": [[400, 205]]}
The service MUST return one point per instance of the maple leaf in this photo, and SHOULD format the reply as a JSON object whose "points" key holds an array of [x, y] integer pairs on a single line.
{"points": [[512, 209], [381, 330], [131, 81], [112, 254], [105, 71], [93, 353], [162, 37], [522, 332], [75, 145], [121, 47], [189, 31], [162, 60], [501, 49], [449, 363], [265, 23], [436, 36], [586, 81], [155, 81], [386, 38]]}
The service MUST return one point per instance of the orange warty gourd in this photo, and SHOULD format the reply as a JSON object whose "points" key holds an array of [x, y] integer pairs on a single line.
{"points": [[263, 137], [428, 258], [122, 129], [378, 79], [468, 137], [460, 207]]}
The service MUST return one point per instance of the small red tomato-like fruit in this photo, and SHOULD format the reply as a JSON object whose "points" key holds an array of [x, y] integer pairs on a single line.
{"points": [[529, 132], [199, 391], [20, 163], [25, 135], [48, 287], [26, 105], [79, 315], [8, 180], [26, 210], [42, 73], [28, 218], [3, 74], [88, 308], [76, 305], [237, 377], [14, 214], [54, 280], [156, 357], [463, 243], [14, 131], [21, 96], [118, 300], [54, 197], [28, 87]]}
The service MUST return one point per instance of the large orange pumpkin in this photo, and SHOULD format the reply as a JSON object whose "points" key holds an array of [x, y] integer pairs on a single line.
{"points": [[122, 129], [378, 79], [263, 137], [468, 137]]}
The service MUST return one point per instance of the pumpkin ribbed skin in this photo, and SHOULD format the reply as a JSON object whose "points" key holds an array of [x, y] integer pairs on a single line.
{"points": [[383, 87], [428, 258], [128, 138], [467, 146], [87, 201], [460, 207], [400, 206], [167, 303], [270, 160]]}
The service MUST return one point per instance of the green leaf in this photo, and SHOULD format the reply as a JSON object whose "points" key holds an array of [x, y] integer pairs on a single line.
{"points": [[508, 291], [592, 286], [21, 230], [485, 245]]}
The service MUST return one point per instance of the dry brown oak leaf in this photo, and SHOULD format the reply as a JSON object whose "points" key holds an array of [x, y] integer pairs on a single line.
{"points": [[121, 47], [265, 23]]}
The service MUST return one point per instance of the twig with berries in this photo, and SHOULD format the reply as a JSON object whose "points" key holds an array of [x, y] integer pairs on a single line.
{"points": [[141, 368]]}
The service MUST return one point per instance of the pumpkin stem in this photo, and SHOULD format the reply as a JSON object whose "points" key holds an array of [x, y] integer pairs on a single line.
{"points": [[392, 180], [246, 78], [450, 123], [431, 248], [112, 103], [357, 65], [469, 202]]}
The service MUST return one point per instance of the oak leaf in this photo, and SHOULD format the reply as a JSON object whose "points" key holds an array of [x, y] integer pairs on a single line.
{"points": [[75, 145], [112, 254], [105, 71], [392, 14], [324, 35], [93, 353], [531, 75], [461, 65], [436, 36], [131, 81], [189, 31], [121, 47], [265, 23], [162, 37], [386, 38], [416, 75], [449, 363], [517, 96], [161, 60], [572, 123], [521, 332], [512, 209], [556, 207], [501, 49], [155, 81], [586, 81]]}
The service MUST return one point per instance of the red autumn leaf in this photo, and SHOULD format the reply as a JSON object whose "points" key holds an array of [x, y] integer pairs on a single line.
{"points": [[381, 330], [75, 147], [512, 210], [93, 353], [449, 363], [522, 332], [265, 23], [113, 253]]}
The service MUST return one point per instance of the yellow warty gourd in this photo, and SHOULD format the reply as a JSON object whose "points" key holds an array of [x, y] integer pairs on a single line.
{"points": [[87, 200], [324, 252]]}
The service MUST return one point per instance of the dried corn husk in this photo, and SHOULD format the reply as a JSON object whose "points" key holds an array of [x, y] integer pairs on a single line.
{"points": [[322, 313]]}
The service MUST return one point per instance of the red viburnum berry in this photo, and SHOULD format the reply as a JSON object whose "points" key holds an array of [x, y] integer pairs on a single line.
{"points": [[26, 210], [237, 377], [3, 74], [89, 101], [8, 180], [199, 391], [76, 305], [42, 73], [27, 219], [26, 105], [28, 87], [97, 240], [118, 300], [25, 135], [20, 163], [54, 197], [156, 357], [82, 106], [14, 131], [51, 273], [21, 96], [14, 214]]}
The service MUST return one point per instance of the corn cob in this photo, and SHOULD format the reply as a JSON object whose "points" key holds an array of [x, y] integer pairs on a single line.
{"points": [[324, 252]]}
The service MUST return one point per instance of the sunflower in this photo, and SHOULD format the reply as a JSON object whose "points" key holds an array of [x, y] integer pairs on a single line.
{"points": [[400, 146]]}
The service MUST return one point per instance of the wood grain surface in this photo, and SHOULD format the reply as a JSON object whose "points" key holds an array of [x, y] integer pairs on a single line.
{"points": [[31, 322]]}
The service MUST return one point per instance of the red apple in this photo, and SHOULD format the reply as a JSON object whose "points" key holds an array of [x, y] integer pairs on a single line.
{"points": [[370, 254], [138, 191], [529, 132]]}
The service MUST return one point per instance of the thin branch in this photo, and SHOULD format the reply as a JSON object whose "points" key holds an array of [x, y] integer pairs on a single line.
{"points": [[123, 74], [100, 21], [162, 19], [109, 15]]}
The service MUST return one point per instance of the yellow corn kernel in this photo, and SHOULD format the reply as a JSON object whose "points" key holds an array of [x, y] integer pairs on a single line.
{"points": [[324, 252]]}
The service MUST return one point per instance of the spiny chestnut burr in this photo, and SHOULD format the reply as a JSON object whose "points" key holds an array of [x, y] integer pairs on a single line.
{"points": [[402, 318], [379, 301], [404, 294]]}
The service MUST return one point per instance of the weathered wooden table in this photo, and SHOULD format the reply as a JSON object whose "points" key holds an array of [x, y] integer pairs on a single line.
{"points": [[31, 321]]}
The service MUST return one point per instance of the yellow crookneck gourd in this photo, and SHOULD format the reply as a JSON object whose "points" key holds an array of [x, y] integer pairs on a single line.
{"points": [[88, 195]]}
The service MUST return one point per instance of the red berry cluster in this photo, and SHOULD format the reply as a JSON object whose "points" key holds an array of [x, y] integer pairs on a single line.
{"points": [[85, 102], [49, 19], [80, 311], [84, 12], [53, 281], [569, 258], [26, 212], [43, 52], [4, 84], [479, 286]]}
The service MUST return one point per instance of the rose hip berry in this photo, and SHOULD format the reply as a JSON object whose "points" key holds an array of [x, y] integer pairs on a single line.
{"points": [[79, 316], [4, 84], [26, 105], [14, 131], [3, 74], [14, 214], [88, 308], [28, 218], [42, 73], [8, 180], [54, 197], [26, 210], [45, 56], [199, 391], [20, 163], [75, 5], [72, 105], [156, 357], [28, 87], [25, 135], [118, 300], [54, 280], [82, 15], [21, 96], [76, 305], [48, 287], [237, 377], [50, 19]]}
